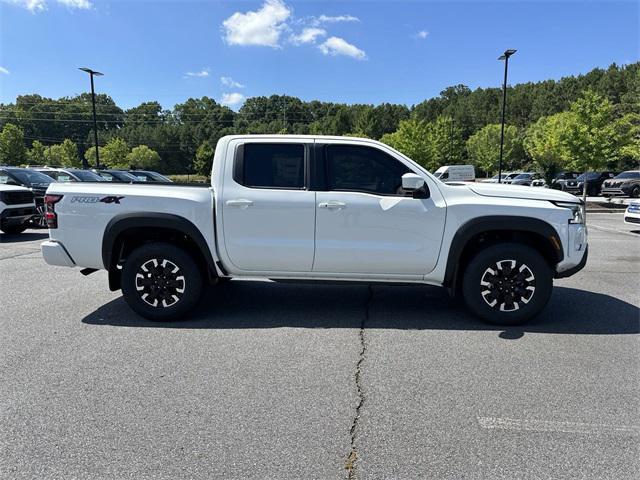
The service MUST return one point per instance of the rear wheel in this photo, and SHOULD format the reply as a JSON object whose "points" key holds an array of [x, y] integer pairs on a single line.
{"points": [[161, 281], [507, 283]]}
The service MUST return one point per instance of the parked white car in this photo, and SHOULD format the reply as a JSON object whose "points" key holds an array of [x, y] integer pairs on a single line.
{"points": [[456, 173], [506, 176], [632, 213], [17, 207], [324, 209]]}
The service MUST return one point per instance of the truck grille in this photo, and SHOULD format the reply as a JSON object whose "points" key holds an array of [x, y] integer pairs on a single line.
{"points": [[16, 198]]}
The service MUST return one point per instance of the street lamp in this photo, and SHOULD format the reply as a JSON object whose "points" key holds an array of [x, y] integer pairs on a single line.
{"points": [[505, 56], [93, 73]]}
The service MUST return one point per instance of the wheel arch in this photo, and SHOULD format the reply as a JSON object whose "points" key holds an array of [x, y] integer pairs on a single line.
{"points": [[481, 232], [125, 232]]}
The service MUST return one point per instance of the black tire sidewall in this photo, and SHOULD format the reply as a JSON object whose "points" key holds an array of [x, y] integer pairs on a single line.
{"points": [[635, 192], [188, 267], [471, 287]]}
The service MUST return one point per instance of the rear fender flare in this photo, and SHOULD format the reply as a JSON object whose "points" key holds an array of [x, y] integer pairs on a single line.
{"points": [[121, 223]]}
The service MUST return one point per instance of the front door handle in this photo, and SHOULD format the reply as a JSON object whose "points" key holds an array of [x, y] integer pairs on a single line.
{"points": [[332, 205], [239, 202]]}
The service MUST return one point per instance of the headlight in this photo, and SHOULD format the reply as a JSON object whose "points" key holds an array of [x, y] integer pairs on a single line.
{"points": [[576, 209]]}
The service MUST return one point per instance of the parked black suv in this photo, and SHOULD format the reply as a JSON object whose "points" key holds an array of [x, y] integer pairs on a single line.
{"points": [[594, 183], [35, 181], [625, 183], [560, 179]]}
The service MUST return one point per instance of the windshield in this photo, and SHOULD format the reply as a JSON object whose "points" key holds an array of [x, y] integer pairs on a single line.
{"points": [[511, 175], [29, 177], [524, 176], [124, 176], [628, 175], [87, 176], [590, 176]]}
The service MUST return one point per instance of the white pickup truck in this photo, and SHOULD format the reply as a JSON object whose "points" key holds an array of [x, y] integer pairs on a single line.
{"points": [[318, 208]]}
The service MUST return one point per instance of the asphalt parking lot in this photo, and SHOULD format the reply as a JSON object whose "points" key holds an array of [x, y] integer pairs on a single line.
{"points": [[280, 381]]}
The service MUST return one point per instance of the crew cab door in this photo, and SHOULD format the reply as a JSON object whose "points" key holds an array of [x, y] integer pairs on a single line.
{"points": [[366, 224], [268, 213]]}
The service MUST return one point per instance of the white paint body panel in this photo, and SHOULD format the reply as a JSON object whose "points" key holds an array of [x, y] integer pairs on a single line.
{"points": [[285, 234]]}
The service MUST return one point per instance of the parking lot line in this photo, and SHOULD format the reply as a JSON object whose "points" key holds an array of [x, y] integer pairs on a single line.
{"points": [[495, 423]]}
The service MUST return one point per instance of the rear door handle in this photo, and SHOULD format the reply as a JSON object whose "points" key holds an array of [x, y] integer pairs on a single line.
{"points": [[332, 205], [239, 202]]}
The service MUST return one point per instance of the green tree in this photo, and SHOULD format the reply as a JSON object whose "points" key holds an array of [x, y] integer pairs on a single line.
{"points": [[12, 149], [484, 147], [629, 130], [445, 139], [70, 157], [593, 139], [546, 143], [204, 159], [412, 139], [64, 154], [36, 153], [112, 155], [143, 157]]}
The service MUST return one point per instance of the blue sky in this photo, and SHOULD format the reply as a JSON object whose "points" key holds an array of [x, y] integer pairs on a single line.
{"points": [[354, 52]]}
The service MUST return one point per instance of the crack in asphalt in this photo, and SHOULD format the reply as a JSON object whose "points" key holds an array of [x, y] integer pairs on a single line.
{"points": [[351, 462]]}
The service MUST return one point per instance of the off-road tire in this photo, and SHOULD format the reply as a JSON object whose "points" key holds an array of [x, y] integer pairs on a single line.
{"points": [[517, 290], [161, 282]]}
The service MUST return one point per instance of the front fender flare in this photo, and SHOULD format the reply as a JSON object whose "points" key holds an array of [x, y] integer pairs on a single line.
{"points": [[490, 223]]}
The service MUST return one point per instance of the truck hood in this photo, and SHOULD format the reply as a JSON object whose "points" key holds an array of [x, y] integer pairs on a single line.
{"points": [[516, 191]]}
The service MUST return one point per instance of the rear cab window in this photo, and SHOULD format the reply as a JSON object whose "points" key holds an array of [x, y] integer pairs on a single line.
{"points": [[271, 165]]}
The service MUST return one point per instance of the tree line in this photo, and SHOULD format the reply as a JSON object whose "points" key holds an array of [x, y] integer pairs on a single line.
{"points": [[577, 122]]}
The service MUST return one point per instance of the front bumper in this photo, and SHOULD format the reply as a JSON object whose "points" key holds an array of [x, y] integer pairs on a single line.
{"points": [[16, 216], [577, 268], [575, 251], [623, 190], [632, 217], [55, 254]]}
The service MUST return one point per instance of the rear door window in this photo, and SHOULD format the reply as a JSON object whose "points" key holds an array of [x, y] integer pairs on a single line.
{"points": [[272, 165]]}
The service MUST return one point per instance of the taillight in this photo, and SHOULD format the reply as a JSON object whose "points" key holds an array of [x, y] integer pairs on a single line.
{"points": [[50, 210]]}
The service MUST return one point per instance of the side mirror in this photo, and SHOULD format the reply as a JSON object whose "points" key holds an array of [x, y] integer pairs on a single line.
{"points": [[415, 185]]}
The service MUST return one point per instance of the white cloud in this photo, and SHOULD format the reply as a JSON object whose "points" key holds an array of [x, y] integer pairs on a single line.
{"points": [[230, 82], [4, 71], [262, 27], [339, 46], [422, 34], [31, 5], [335, 19], [41, 5], [80, 4], [308, 35], [232, 99], [202, 73]]}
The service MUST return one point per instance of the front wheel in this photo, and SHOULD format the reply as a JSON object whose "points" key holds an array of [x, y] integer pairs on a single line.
{"points": [[507, 284], [161, 281], [635, 192]]}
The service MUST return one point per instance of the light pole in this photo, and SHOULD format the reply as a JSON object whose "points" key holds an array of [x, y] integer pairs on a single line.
{"points": [[505, 56], [93, 73]]}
